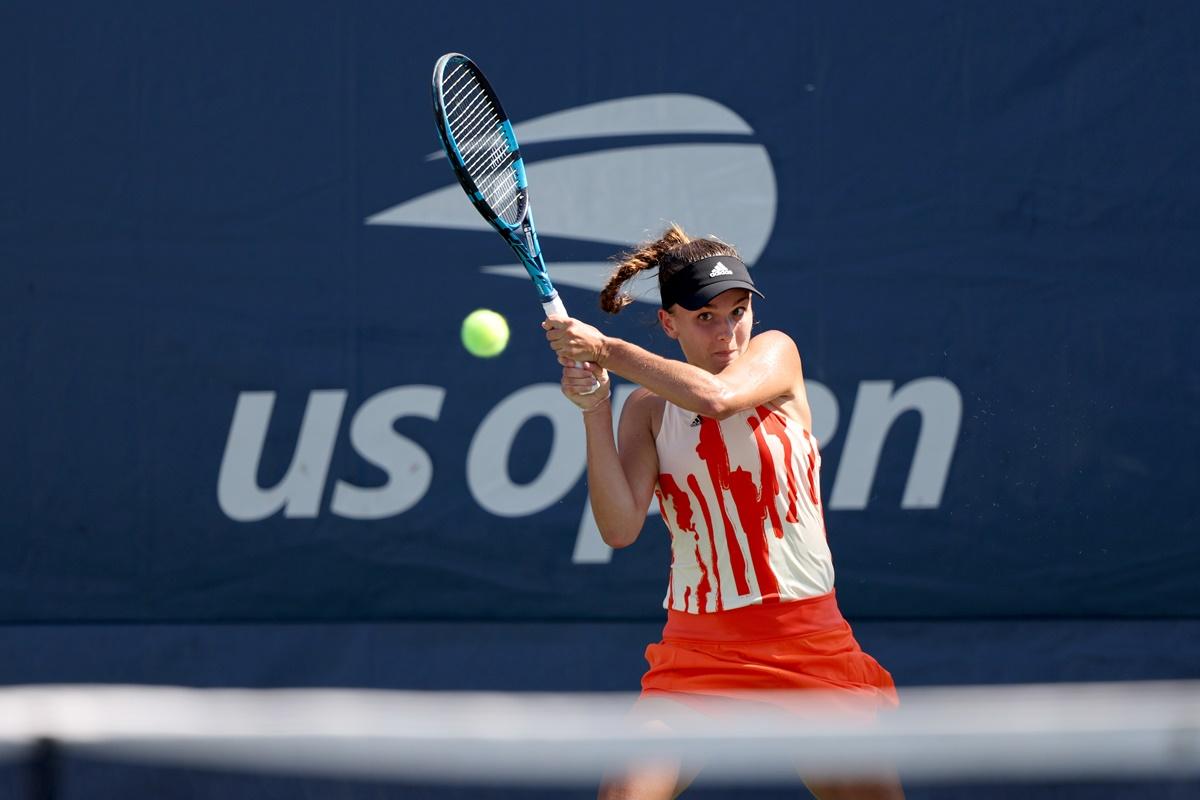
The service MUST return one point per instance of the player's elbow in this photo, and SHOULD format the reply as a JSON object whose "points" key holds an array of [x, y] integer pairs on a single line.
{"points": [[717, 403], [618, 536], [722, 411]]}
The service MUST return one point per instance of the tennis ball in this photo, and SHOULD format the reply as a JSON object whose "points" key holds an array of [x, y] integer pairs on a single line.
{"points": [[484, 333]]}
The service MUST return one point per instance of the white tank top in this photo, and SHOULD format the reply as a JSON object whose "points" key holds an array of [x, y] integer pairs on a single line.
{"points": [[741, 498]]}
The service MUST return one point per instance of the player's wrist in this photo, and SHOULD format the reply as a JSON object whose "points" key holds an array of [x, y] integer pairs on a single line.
{"points": [[604, 350], [600, 405]]}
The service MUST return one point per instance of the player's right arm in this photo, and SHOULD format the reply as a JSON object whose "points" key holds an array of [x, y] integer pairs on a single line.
{"points": [[621, 479]]}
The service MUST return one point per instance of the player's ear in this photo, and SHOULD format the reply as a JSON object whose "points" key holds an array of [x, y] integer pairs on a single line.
{"points": [[668, 323]]}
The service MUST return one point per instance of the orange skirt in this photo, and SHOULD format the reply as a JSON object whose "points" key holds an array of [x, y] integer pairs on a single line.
{"points": [[793, 645]]}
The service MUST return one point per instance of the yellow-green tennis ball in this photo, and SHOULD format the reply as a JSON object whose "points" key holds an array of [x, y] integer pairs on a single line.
{"points": [[484, 333]]}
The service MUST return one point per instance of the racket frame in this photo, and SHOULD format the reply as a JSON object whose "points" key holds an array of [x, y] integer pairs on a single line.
{"points": [[520, 235]]}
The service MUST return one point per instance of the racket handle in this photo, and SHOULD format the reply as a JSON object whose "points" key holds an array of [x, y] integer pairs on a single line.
{"points": [[554, 308]]}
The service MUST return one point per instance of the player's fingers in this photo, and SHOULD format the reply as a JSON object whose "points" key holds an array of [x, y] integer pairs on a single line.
{"points": [[580, 375], [596, 386]]}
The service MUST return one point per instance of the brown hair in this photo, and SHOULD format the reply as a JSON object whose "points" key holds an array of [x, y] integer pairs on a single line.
{"points": [[671, 252]]}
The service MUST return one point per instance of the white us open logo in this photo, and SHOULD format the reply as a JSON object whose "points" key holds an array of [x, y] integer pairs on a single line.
{"points": [[607, 197], [618, 196]]}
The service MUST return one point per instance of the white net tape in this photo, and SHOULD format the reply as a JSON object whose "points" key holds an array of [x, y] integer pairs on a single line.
{"points": [[1045, 731]]}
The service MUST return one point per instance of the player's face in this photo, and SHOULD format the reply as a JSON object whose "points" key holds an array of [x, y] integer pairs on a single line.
{"points": [[713, 337]]}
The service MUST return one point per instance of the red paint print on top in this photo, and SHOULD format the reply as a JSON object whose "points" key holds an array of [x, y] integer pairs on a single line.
{"points": [[683, 518], [694, 485], [712, 452], [752, 510], [774, 424], [812, 470], [770, 478], [679, 499], [752, 507], [662, 509]]}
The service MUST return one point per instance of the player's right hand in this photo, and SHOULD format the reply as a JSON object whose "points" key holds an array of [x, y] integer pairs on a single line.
{"points": [[579, 384]]}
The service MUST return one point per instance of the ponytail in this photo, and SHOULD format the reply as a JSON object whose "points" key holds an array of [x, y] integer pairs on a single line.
{"points": [[671, 252], [646, 256]]}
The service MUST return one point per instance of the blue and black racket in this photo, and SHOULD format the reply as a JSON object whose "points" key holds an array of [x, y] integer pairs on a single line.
{"points": [[479, 141]]}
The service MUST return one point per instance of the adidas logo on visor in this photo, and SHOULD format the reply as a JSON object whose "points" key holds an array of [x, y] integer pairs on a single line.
{"points": [[720, 269]]}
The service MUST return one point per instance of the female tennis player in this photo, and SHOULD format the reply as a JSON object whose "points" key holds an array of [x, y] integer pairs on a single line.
{"points": [[723, 439]]}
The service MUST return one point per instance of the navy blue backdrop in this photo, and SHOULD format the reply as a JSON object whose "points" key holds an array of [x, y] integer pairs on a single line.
{"points": [[233, 270], [243, 446], [233, 279]]}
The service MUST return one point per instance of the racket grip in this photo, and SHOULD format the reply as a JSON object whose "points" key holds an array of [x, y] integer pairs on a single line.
{"points": [[554, 308]]}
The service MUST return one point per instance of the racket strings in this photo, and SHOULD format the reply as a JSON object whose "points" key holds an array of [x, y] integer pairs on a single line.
{"points": [[481, 134], [481, 143], [489, 164], [504, 196], [498, 179], [454, 84], [476, 114], [469, 111], [475, 123], [512, 205]]}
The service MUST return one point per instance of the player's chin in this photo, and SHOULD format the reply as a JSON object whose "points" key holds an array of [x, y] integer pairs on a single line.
{"points": [[724, 357]]}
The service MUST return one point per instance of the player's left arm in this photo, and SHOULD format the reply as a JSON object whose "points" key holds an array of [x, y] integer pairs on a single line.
{"points": [[769, 369]]}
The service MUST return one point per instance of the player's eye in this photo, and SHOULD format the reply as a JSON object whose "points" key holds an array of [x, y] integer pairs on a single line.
{"points": [[704, 316], [739, 312]]}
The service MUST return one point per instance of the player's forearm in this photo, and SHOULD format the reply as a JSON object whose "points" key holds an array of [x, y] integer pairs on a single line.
{"points": [[678, 382], [613, 504]]}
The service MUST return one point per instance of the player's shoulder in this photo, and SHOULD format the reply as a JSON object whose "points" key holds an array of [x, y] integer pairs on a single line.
{"points": [[780, 349], [643, 407], [775, 340], [643, 400], [775, 337]]}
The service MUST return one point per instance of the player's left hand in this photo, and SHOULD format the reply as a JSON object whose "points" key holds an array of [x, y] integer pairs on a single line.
{"points": [[586, 386], [575, 340]]}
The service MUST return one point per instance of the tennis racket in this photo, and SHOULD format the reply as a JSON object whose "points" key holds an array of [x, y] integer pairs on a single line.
{"points": [[482, 148], [479, 141]]}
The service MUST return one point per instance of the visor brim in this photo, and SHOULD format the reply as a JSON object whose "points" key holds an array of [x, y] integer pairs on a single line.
{"points": [[705, 294]]}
